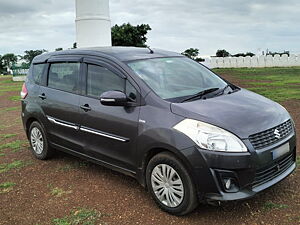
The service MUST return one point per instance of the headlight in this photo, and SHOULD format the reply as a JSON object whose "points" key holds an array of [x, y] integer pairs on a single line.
{"points": [[210, 137]]}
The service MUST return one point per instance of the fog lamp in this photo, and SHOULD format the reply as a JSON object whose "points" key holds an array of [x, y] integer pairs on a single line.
{"points": [[227, 183], [230, 185]]}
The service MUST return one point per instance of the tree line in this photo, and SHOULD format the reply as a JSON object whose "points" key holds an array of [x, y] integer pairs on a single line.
{"points": [[8, 60]]}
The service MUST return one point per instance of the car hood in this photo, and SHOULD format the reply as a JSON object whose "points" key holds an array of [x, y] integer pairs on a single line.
{"points": [[242, 113]]}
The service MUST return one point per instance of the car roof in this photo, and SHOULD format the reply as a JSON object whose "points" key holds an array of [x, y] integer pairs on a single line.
{"points": [[119, 53]]}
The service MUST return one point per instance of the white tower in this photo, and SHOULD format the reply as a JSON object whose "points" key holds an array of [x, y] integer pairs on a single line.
{"points": [[93, 26]]}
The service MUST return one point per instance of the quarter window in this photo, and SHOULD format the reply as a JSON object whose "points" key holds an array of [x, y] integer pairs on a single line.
{"points": [[37, 73], [131, 92], [100, 79], [64, 76]]}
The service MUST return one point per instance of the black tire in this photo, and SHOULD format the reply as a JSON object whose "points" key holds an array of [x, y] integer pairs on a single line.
{"points": [[189, 201], [46, 151]]}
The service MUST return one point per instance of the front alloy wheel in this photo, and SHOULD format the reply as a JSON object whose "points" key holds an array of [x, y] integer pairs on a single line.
{"points": [[170, 184], [167, 185]]}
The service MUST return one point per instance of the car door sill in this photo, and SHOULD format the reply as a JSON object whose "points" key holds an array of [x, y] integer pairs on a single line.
{"points": [[98, 161]]}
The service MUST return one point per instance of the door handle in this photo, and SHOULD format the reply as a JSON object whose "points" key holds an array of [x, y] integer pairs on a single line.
{"points": [[86, 107], [42, 96]]}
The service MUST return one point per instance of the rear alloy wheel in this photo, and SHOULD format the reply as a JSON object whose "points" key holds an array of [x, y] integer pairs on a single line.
{"points": [[38, 141], [170, 184]]}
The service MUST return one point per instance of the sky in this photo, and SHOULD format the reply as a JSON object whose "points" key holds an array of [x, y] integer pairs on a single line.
{"points": [[209, 25]]}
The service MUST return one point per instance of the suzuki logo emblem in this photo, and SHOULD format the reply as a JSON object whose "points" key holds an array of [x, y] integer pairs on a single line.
{"points": [[278, 167], [277, 134]]}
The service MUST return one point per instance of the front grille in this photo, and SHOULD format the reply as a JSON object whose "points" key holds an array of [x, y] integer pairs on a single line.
{"points": [[266, 174], [268, 137]]}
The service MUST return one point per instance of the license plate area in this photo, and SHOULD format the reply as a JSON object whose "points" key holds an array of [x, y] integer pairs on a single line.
{"points": [[282, 150]]}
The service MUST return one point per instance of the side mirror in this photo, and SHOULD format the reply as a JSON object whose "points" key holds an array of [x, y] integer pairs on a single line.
{"points": [[113, 98]]}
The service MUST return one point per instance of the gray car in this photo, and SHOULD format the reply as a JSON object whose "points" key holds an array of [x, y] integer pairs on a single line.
{"points": [[183, 132]]}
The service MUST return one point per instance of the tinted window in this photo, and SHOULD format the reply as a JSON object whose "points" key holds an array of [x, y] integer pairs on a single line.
{"points": [[100, 80], [37, 73], [64, 76]]}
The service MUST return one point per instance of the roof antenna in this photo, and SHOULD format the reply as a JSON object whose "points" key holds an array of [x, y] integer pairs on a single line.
{"points": [[151, 51]]}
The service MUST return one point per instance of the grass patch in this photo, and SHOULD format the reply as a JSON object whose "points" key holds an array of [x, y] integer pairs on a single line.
{"points": [[5, 167], [15, 145], [58, 192], [10, 109], [10, 88], [15, 98], [6, 81], [278, 84], [271, 205], [5, 136], [271, 72], [12, 123], [80, 216], [278, 94], [2, 154], [2, 126], [6, 187]]}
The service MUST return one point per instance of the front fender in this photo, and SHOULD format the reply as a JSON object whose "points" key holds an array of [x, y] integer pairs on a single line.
{"points": [[158, 140]]}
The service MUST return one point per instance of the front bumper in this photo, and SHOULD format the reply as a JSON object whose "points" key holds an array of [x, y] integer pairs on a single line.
{"points": [[250, 191], [250, 172]]}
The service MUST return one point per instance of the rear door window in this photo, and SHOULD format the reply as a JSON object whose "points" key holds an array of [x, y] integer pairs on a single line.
{"points": [[64, 76]]}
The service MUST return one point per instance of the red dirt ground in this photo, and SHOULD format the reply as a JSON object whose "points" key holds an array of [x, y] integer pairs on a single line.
{"points": [[117, 196]]}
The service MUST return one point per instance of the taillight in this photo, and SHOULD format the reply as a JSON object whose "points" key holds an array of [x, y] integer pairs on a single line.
{"points": [[24, 92]]}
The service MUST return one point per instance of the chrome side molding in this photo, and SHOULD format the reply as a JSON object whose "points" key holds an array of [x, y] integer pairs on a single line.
{"points": [[88, 130], [52, 120], [103, 134]]}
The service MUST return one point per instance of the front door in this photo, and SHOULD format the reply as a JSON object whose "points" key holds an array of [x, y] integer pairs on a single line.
{"points": [[109, 131]]}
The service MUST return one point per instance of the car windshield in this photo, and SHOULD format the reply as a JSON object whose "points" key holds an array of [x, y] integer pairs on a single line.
{"points": [[176, 78]]}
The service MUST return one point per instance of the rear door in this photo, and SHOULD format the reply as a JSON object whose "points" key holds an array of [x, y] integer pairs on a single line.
{"points": [[109, 131], [60, 102]]}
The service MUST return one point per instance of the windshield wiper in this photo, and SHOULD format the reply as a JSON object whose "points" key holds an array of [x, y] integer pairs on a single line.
{"points": [[224, 89], [200, 94], [222, 92]]}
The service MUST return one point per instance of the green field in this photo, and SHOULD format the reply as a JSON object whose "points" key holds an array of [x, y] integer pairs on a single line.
{"points": [[279, 84]]}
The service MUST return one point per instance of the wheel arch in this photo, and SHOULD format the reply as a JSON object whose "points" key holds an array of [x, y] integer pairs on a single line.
{"points": [[29, 121], [141, 174]]}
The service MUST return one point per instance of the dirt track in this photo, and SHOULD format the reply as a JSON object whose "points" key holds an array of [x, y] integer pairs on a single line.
{"points": [[120, 198]]}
